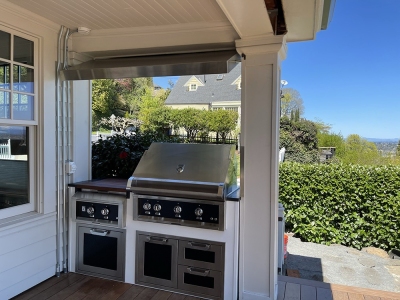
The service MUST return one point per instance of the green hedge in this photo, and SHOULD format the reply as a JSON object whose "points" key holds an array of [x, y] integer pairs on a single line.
{"points": [[352, 205]]}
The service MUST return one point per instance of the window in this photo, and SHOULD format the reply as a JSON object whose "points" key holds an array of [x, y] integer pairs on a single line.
{"points": [[193, 87], [231, 108], [18, 93]]}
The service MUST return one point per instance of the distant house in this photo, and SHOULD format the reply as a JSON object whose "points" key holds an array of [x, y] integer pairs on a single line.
{"points": [[210, 92], [326, 153]]}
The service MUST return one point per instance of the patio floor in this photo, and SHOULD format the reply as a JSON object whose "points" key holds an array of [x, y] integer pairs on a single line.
{"points": [[75, 286]]}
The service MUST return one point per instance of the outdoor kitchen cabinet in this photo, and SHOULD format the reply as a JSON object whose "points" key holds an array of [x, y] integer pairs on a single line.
{"points": [[156, 260], [194, 267]]}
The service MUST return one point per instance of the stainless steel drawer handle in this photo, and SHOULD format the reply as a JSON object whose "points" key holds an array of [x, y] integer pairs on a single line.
{"points": [[199, 272], [157, 239], [99, 232], [200, 246]]}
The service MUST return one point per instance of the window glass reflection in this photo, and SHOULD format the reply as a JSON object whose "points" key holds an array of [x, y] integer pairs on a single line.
{"points": [[4, 75], [22, 107], [5, 45], [23, 79], [4, 105], [23, 51], [14, 175]]}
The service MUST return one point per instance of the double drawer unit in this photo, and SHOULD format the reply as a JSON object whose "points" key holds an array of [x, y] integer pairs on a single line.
{"points": [[189, 266]]}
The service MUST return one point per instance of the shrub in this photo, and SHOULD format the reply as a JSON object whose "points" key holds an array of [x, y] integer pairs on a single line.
{"points": [[299, 139], [118, 155], [352, 205]]}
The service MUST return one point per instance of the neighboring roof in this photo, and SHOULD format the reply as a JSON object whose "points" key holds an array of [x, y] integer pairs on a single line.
{"points": [[213, 90]]}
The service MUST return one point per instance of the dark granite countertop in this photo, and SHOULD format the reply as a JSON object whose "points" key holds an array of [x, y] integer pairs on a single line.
{"points": [[119, 185], [107, 185]]}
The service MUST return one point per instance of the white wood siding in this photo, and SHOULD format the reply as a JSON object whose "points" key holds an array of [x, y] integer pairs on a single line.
{"points": [[27, 255], [28, 241]]}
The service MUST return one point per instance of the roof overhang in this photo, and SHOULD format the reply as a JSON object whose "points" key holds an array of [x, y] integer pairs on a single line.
{"points": [[305, 18]]}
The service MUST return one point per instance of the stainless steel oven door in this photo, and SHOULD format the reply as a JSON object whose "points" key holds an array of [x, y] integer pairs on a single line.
{"points": [[156, 260], [101, 251], [202, 254], [200, 281]]}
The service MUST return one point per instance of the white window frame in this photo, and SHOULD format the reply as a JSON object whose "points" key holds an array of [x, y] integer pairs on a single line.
{"points": [[223, 107], [193, 87], [232, 108], [31, 124]]}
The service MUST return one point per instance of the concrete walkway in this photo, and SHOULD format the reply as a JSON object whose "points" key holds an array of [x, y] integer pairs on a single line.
{"points": [[342, 265]]}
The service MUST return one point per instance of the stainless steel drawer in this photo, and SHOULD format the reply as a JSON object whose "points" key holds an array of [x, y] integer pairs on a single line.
{"points": [[202, 254], [200, 281]]}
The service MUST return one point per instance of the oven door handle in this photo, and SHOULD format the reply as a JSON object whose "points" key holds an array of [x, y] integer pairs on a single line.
{"points": [[199, 272], [99, 232], [157, 239], [199, 246]]}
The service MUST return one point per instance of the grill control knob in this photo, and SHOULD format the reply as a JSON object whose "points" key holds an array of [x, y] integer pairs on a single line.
{"points": [[90, 210], [147, 206], [198, 212], [157, 207], [177, 209], [105, 211]]}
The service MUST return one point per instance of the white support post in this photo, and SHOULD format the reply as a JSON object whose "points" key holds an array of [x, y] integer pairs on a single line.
{"points": [[261, 60]]}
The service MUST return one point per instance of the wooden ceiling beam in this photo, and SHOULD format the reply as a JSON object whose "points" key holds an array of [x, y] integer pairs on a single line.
{"points": [[276, 16]]}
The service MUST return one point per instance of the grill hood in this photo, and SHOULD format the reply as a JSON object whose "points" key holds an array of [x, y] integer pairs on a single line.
{"points": [[199, 171], [216, 62]]}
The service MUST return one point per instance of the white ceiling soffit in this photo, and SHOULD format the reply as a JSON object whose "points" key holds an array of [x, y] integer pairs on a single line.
{"points": [[115, 14], [132, 27], [305, 18]]}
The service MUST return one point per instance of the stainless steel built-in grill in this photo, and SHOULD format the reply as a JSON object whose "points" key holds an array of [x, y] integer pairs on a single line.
{"points": [[184, 184]]}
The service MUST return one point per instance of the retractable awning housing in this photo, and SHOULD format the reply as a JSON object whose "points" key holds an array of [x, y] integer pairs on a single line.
{"points": [[216, 62]]}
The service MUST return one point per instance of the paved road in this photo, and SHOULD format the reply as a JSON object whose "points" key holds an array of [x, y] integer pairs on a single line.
{"points": [[342, 265]]}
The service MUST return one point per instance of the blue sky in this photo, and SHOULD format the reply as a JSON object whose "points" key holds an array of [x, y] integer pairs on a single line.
{"points": [[349, 77]]}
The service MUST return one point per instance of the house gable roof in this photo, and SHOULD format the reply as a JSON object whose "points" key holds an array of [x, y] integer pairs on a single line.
{"points": [[193, 80], [211, 88]]}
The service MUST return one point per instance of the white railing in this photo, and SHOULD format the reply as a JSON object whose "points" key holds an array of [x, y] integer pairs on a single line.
{"points": [[5, 151]]}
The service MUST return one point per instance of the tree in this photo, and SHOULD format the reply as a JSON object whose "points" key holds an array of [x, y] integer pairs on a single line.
{"points": [[299, 139], [322, 127], [332, 140], [153, 115], [360, 151], [291, 101], [222, 122], [191, 119], [132, 90], [105, 100], [119, 124]]}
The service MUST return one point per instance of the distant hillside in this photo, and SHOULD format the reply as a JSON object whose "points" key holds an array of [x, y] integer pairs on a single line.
{"points": [[387, 148], [376, 140]]}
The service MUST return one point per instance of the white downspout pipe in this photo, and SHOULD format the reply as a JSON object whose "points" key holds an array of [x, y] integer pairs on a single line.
{"points": [[66, 149], [58, 223]]}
